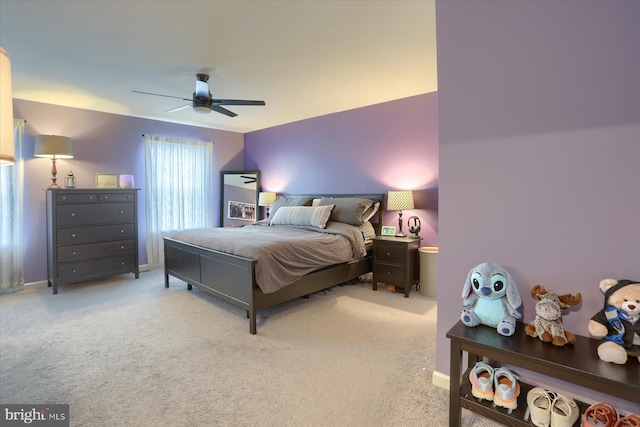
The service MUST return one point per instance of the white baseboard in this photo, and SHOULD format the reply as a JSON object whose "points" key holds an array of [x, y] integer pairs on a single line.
{"points": [[440, 380], [36, 285]]}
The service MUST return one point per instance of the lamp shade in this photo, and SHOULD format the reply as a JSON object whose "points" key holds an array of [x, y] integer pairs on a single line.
{"points": [[266, 198], [400, 200], [53, 147], [7, 149]]}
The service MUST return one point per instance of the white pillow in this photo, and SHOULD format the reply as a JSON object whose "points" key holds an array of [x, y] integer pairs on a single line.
{"points": [[368, 232], [369, 213], [314, 216]]}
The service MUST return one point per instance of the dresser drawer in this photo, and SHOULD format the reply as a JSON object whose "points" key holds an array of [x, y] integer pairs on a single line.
{"points": [[77, 198], [389, 253], [96, 250], [117, 197], [100, 233], [87, 269], [70, 215], [389, 274]]}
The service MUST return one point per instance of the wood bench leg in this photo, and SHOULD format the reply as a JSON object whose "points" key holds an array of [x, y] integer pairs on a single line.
{"points": [[454, 385]]}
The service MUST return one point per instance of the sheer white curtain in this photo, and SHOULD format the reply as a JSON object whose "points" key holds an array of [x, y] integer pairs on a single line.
{"points": [[11, 241], [178, 189]]}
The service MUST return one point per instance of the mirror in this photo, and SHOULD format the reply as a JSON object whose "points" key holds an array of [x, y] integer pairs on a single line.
{"points": [[239, 198]]}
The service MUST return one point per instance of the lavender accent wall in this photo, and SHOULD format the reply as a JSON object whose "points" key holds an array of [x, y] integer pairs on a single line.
{"points": [[105, 143], [388, 146], [539, 117]]}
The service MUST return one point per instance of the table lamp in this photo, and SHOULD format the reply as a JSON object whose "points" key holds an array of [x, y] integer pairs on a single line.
{"points": [[266, 198], [7, 149], [399, 201], [54, 147]]}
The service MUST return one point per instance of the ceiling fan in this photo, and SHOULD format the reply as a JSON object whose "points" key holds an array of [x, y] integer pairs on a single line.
{"points": [[202, 102]]}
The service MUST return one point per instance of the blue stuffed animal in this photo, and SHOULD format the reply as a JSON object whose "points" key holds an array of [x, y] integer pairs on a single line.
{"points": [[490, 297]]}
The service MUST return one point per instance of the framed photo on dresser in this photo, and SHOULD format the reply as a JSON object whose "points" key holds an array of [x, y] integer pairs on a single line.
{"points": [[106, 180]]}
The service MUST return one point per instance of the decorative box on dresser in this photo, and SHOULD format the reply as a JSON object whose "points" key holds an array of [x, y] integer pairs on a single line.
{"points": [[91, 234], [395, 262]]}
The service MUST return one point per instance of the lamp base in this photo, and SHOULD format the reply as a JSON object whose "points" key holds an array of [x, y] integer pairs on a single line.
{"points": [[400, 233], [54, 174]]}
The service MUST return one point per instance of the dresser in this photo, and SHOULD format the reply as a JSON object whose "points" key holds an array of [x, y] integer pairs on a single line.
{"points": [[395, 262], [91, 234]]}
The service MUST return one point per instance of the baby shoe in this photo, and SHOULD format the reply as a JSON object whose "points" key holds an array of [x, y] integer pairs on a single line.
{"points": [[481, 377], [564, 411], [600, 415], [506, 389], [631, 420], [539, 407]]}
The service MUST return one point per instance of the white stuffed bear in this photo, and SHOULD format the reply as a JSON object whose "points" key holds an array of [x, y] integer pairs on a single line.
{"points": [[617, 323]]}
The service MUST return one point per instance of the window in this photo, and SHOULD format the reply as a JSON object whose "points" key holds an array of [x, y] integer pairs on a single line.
{"points": [[178, 175]]}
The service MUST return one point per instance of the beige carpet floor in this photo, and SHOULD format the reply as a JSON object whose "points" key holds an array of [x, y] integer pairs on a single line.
{"points": [[125, 352]]}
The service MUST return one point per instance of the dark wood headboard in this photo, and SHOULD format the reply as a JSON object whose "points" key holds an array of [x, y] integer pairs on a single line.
{"points": [[376, 221]]}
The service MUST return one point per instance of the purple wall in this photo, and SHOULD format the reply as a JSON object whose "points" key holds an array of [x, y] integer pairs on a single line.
{"points": [[539, 118], [105, 143], [388, 146]]}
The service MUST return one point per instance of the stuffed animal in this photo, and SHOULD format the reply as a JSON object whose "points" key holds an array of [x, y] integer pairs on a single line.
{"points": [[617, 323], [548, 322], [490, 297]]}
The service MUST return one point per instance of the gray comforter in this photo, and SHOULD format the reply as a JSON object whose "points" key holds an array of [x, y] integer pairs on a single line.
{"points": [[283, 253]]}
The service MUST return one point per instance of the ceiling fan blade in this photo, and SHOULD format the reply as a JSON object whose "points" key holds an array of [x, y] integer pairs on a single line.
{"points": [[224, 111], [182, 107], [236, 102], [157, 94]]}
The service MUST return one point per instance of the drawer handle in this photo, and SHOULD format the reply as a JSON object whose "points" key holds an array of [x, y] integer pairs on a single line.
{"points": [[73, 214], [388, 273], [106, 197], [122, 247], [388, 253], [121, 262], [64, 197], [73, 252], [73, 234], [121, 231], [90, 197], [121, 212], [73, 270]]}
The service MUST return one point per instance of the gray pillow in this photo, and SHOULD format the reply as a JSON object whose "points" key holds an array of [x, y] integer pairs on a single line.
{"points": [[349, 210], [289, 201], [314, 216]]}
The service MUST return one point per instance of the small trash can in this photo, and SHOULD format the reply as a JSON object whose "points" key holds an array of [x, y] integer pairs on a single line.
{"points": [[428, 270]]}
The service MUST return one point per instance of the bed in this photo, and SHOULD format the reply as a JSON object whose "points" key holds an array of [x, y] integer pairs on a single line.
{"points": [[211, 266]]}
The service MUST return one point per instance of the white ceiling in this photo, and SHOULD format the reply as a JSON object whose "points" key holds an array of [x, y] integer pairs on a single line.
{"points": [[303, 58]]}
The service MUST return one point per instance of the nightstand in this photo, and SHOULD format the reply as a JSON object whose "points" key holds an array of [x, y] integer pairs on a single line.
{"points": [[395, 262]]}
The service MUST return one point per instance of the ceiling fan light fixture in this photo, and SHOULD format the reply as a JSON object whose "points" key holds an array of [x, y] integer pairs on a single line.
{"points": [[201, 105]]}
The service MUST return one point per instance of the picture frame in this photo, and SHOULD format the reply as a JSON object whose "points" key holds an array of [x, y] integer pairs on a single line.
{"points": [[106, 180], [388, 230], [242, 211]]}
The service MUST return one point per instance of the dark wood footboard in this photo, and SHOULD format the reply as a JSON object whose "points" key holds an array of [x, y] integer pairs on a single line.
{"points": [[232, 278]]}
